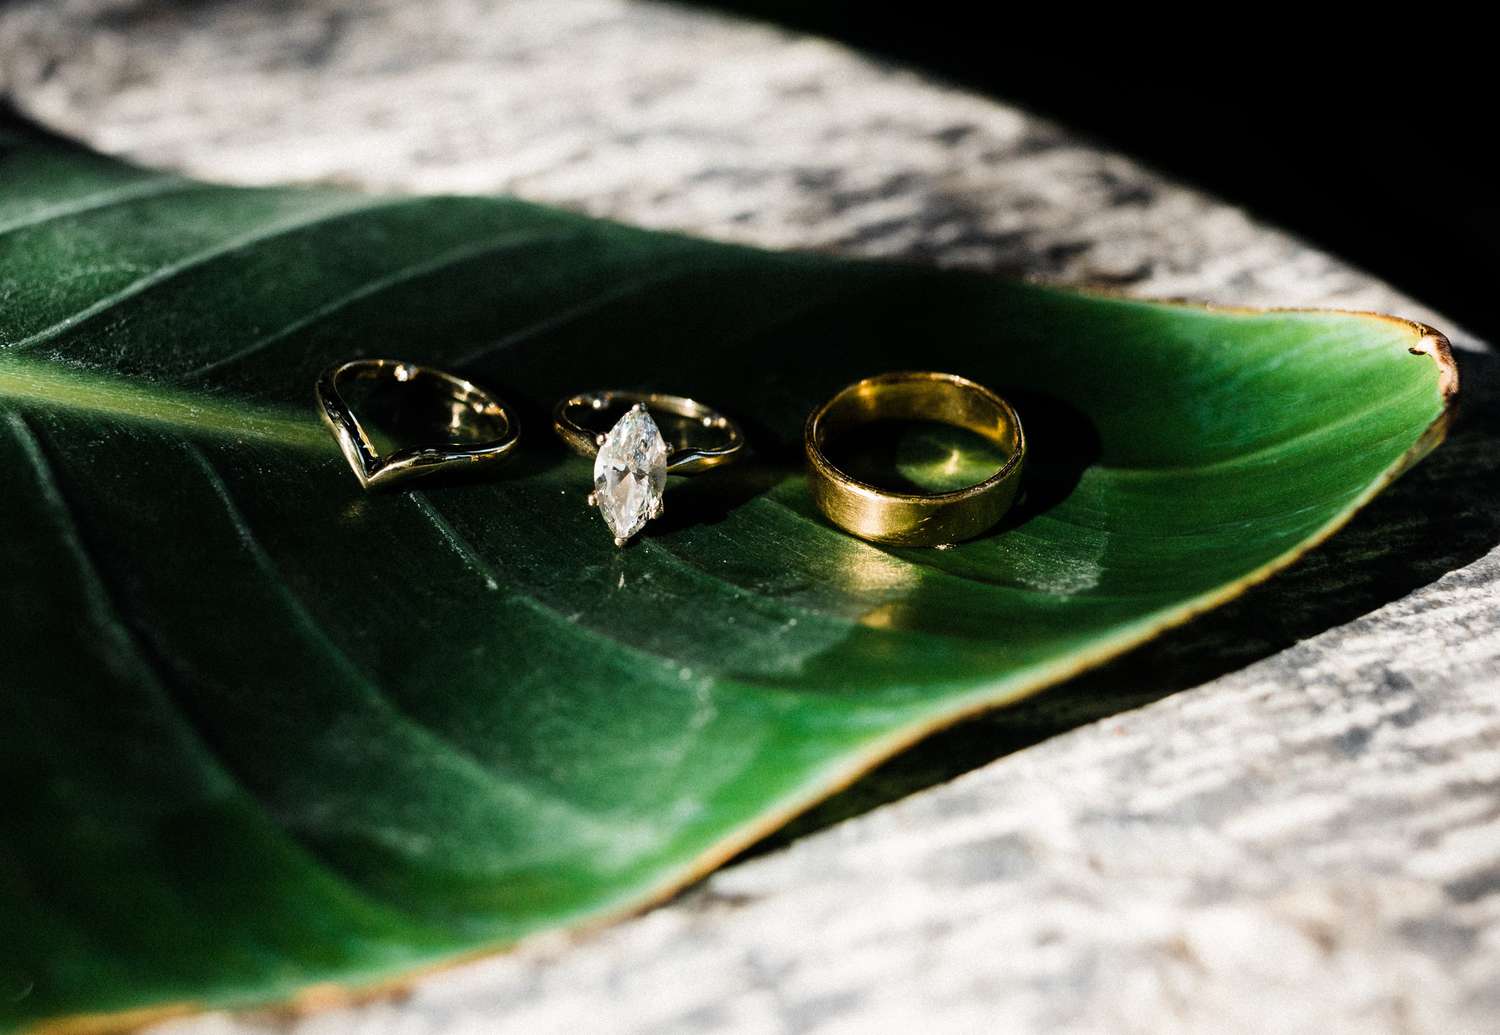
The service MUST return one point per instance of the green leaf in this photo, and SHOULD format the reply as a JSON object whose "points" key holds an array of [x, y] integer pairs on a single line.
{"points": [[262, 731]]}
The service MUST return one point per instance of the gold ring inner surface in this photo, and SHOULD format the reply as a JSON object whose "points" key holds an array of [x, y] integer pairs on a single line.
{"points": [[937, 398], [914, 518]]}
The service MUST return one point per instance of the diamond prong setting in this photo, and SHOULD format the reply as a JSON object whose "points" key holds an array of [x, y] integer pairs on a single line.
{"points": [[630, 474]]}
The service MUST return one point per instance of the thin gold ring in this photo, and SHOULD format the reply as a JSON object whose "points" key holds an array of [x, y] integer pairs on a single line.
{"points": [[484, 430], [905, 518], [633, 458]]}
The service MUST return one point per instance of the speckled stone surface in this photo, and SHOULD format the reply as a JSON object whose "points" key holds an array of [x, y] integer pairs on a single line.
{"points": [[1282, 818]]}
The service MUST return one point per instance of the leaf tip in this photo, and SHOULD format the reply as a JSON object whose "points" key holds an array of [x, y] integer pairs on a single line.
{"points": [[1434, 343]]}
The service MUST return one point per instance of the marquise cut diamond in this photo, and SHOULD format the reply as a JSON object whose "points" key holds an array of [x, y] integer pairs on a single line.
{"points": [[630, 474]]}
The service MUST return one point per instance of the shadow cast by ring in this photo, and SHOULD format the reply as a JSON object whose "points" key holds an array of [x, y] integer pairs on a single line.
{"points": [[710, 497]]}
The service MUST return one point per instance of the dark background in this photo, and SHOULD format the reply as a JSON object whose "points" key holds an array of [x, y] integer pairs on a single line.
{"points": [[1373, 145]]}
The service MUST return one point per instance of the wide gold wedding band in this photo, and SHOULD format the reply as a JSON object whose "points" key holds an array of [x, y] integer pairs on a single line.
{"points": [[904, 518]]}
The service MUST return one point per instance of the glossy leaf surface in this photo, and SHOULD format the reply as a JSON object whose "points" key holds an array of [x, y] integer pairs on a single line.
{"points": [[263, 731]]}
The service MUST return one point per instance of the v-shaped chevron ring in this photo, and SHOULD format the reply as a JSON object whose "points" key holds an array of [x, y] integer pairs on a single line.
{"points": [[479, 428]]}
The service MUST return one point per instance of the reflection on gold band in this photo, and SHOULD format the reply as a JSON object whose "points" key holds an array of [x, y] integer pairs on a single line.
{"points": [[914, 519]]}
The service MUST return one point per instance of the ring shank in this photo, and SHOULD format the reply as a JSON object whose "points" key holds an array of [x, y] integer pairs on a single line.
{"points": [[472, 411], [483, 427], [915, 519], [722, 444]]}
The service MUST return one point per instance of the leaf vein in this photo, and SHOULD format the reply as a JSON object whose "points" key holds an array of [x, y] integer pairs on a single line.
{"points": [[469, 554], [153, 187], [571, 314], [516, 791], [282, 228], [451, 257], [147, 667]]}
